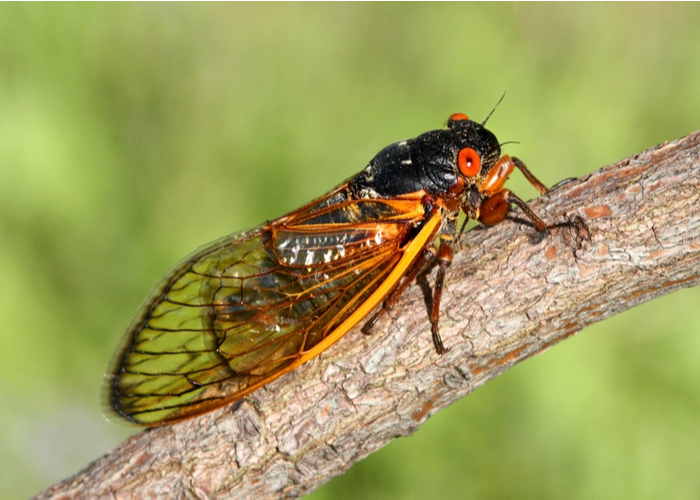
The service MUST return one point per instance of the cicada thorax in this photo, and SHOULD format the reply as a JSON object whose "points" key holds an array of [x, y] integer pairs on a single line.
{"points": [[248, 308]]}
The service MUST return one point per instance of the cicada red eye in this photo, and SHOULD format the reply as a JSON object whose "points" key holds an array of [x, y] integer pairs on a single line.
{"points": [[469, 162]]}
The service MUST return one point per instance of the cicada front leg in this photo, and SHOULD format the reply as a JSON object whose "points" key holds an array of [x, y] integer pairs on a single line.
{"points": [[495, 208], [497, 202]]}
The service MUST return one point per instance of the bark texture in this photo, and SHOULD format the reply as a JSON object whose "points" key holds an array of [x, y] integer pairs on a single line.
{"points": [[509, 294]]}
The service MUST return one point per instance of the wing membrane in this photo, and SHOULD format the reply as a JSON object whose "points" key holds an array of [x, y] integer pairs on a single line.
{"points": [[249, 307]]}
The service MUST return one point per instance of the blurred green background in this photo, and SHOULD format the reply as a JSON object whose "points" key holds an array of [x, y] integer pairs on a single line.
{"points": [[131, 134]]}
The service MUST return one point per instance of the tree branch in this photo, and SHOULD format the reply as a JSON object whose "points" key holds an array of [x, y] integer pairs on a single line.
{"points": [[510, 294]]}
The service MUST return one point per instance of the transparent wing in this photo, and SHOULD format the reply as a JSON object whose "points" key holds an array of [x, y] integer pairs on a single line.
{"points": [[245, 309]]}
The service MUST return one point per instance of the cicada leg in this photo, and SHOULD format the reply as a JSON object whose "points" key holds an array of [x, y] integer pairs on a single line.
{"points": [[423, 262], [539, 223], [495, 208], [497, 201], [444, 257], [528, 175]]}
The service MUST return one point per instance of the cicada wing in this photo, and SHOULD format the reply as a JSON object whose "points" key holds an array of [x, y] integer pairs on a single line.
{"points": [[243, 310]]}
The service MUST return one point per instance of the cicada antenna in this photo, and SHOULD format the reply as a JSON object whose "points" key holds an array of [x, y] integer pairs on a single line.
{"points": [[494, 109]]}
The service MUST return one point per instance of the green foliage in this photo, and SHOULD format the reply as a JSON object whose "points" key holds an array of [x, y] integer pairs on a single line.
{"points": [[132, 133]]}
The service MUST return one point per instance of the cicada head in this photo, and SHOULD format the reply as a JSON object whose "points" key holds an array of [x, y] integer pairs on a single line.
{"points": [[476, 149]]}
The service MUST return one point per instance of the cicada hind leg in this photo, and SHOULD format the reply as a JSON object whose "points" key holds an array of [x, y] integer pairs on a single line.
{"points": [[424, 262], [444, 258]]}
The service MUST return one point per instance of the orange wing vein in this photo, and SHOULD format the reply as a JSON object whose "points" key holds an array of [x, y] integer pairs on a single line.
{"points": [[249, 307]]}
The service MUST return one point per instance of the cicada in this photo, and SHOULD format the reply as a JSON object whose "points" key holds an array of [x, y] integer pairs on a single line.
{"points": [[243, 310]]}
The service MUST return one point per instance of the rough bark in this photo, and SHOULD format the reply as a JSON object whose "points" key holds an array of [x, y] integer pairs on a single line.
{"points": [[509, 294]]}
